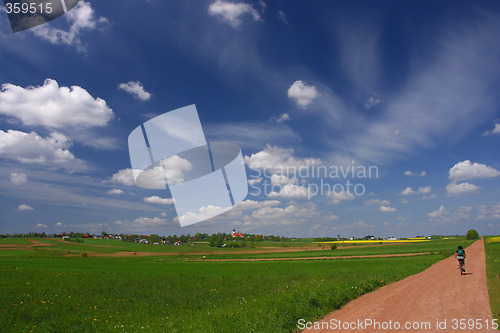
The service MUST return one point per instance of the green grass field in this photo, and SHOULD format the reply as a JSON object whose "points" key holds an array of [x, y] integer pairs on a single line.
{"points": [[43, 290], [492, 248]]}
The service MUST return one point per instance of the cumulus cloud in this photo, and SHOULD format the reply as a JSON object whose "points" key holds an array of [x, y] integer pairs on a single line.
{"points": [[486, 212], [18, 178], [292, 191], [421, 190], [146, 222], [302, 93], [232, 13], [461, 188], [439, 213], [290, 215], [424, 190], [81, 18], [157, 200], [203, 214], [124, 177], [282, 180], [171, 168], [31, 148], [467, 170], [496, 130], [24, 207], [252, 204], [41, 225], [254, 181], [53, 106], [115, 191], [407, 191], [450, 215], [387, 209], [136, 89], [336, 197], [279, 160]]}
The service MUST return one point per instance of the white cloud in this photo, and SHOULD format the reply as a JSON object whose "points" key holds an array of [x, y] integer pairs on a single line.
{"points": [[232, 13], [407, 191], [252, 204], [438, 213], [59, 224], [415, 174], [31, 148], [124, 177], [387, 209], [302, 93], [283, 117], [429, 197], [40, 225], [336, 198], [373, 100], [360, 225], [282, 17], [467, 170], [171, 168], [450, 215], [254, 181], [461, 188], [136, 89], [279, 160], [496, 130], [24, 207], [157, 200], [80, 18], [18, 178], [292, 191], [282, 180], [424, 190], [203, 214], [290, 215], [371, 202], [115, 191], [53, 106], [489, 212], [404, 201], [146, 222]]}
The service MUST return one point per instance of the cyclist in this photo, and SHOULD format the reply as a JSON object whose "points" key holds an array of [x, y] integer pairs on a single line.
{"points": [[460, 256]]}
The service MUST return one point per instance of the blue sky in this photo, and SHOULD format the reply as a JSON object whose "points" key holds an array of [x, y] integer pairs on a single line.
{"points": [[409, 89]]}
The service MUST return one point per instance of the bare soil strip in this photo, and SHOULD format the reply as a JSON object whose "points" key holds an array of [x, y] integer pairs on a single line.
{"points": [[438, 295], [323, 258]]}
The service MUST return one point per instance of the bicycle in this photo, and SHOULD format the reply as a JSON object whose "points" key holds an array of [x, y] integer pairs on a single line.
{"points": [[461, 266]]}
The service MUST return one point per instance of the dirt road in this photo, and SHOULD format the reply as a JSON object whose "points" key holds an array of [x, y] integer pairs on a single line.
{"points": [[435, 300]]}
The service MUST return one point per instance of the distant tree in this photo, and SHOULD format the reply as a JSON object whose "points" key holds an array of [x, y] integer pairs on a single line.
{"points": [[219, 242], [104, 234], [472, 234]]}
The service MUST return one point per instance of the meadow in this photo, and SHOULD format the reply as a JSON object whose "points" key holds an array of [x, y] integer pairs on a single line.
{"points": [[45, 290], [492, 251]]}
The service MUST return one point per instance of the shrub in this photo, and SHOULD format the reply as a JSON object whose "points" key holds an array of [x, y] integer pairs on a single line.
{"points": [[333, 246]]}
